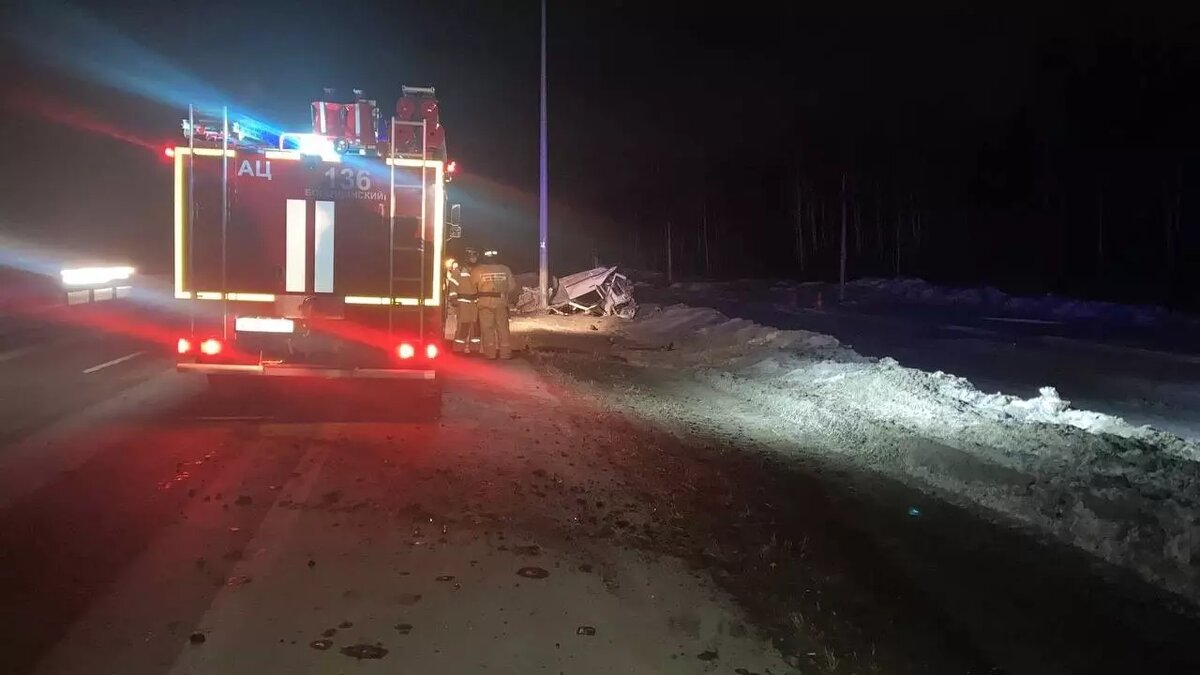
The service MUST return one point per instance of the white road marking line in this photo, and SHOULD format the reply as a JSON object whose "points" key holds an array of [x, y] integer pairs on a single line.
{"points": [[16, 353], [114, 362], [276, 528]]}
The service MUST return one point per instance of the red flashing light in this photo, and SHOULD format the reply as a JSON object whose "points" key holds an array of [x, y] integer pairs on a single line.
{"points": [[169, 153], [431, 351], [184, 345], [452, 167], [211, 347], [405, 351]]}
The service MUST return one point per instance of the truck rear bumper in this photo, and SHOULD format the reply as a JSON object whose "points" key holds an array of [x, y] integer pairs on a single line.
{"points": [[264, 370]]}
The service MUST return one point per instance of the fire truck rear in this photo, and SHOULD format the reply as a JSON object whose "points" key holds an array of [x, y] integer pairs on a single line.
{"points": [[315, 254]]}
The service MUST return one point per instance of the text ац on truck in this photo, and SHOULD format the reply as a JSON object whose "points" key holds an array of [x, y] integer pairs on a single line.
{"points": [[314, 254]]}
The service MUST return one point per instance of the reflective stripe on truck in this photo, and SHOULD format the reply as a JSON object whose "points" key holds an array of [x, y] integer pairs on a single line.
{"points": [[305, 371]]}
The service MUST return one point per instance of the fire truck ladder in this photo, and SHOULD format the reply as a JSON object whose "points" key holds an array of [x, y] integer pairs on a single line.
{"points": [[191, 219], [424, 187]]}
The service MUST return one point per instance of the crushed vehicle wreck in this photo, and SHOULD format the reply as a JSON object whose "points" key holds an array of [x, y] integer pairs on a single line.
{"points": [[601, 291]]}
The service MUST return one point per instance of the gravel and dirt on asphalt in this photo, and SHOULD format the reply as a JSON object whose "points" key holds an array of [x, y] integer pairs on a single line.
{"points": [[286, 531]]}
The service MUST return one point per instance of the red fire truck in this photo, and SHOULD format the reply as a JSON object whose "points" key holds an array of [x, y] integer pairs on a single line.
{"points": [[315, 254]]}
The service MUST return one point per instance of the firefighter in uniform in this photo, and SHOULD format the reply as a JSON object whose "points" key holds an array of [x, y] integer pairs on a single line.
{"points": [[462, 293], [493, 283]]}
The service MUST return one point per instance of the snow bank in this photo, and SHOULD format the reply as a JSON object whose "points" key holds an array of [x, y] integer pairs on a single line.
{"points": [[1130, 495], [700, 336]]}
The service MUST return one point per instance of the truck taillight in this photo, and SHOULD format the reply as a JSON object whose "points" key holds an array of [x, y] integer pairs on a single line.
{"points": [[184, 345], [431, 351], [405, 351], [211, 347]]}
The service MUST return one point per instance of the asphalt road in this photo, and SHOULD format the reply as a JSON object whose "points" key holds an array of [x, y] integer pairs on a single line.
{"points": [[148, 525]]}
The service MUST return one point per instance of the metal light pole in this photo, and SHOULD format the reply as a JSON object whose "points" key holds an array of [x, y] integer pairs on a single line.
{"points": [[543, 186]]}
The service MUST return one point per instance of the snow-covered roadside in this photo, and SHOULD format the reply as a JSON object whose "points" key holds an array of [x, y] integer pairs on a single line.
{"points": [[1129, 495]]}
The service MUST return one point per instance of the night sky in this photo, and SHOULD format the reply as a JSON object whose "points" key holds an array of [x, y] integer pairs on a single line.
{"points": [[1040, 147]]}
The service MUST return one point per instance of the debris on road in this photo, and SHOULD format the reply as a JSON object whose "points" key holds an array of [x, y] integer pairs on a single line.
{"points": [[197, 638], [321, 645], [362, 651], [585, 630], [404, 628], [533, 573]]}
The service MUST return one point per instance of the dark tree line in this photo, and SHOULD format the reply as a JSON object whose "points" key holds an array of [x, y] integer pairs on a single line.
{"points": [[1087, 186]]}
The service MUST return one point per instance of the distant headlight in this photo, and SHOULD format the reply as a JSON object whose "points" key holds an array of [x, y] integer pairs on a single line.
{"points": [[90, 276]]}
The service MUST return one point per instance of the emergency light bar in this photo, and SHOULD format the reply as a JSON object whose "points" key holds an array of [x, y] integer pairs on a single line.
{"points": [[311, 144]]}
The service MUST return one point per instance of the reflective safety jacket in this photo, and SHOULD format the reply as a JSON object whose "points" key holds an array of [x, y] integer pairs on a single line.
{"points": [[493, 281], [461, 285]]}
